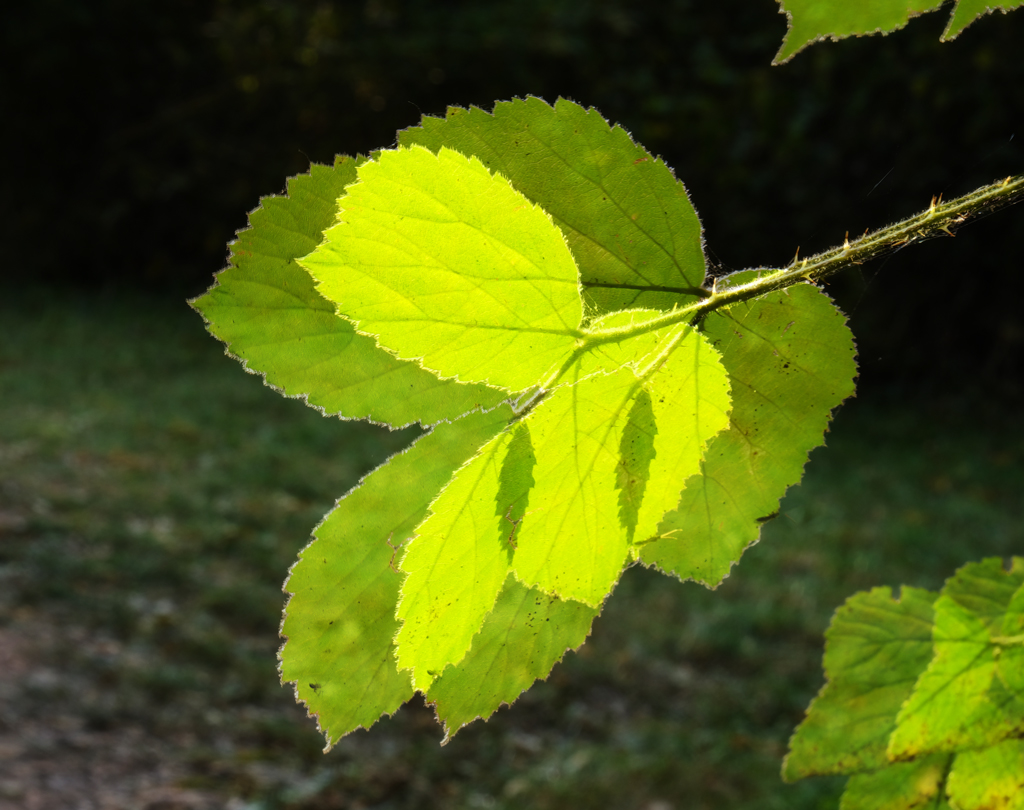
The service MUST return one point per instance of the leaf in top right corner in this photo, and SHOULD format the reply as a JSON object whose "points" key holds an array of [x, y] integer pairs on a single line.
{"points": [[967, 11], [811, 21], [790, 360]]}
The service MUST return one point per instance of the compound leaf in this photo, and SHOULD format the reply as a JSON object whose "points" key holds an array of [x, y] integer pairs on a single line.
{"points": [[265, 308], [876, 648], [525, 635], [340, 621], [790, 358], [972, 693], [628, 221], [445, 263], [814, 20]]}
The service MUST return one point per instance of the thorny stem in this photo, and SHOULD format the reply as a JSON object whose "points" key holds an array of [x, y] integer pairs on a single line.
{"points": [[940, 218]]}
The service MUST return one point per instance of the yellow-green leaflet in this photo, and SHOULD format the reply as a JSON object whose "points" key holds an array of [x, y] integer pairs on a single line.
{"points": [[456, 565], [445, 263], [576, 534]]}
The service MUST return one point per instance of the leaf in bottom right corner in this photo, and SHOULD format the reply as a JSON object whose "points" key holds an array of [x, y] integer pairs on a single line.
{"points": [[972, 694], [790, 360], [989, 778]]}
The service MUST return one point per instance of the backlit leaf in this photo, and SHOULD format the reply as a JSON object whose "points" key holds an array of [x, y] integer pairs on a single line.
{"points": [[340, 620], [919, 785], [265, 308], [455, 565], [790, 361], [445, 263], [525, 635], [972, 693], [967, 11], [628, 221], [876, 648], [575, 537], [989, 778]]}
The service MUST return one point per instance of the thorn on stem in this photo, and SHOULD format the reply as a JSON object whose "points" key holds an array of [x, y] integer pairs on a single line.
{"points": [[394, 551], [515, 525]]}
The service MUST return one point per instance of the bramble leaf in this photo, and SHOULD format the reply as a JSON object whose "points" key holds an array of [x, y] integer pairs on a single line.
{"points": [[972, 693], [525, 635], [446, 263], [876, 648], [628, 222], [814, 20], [921, 731], [340, 621], [789, 356], [265, 308]]}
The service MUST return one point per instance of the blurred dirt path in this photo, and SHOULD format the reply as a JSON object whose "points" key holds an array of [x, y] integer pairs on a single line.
{"points": [[50, 757]]}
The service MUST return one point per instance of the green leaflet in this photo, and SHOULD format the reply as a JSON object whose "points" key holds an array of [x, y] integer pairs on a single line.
{"points": [[265, 308], [989, 777], [525, 635], [628, 221], [876, 648], [446, 263], [340, 620], [790, 361], [814, 20], [574, 539], [972, 693], [919, 785]]}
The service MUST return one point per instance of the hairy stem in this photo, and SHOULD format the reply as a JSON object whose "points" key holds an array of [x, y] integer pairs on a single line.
{"points": [[940, 218]]}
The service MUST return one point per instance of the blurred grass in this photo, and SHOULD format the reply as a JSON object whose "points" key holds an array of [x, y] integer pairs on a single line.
{"points": [[152, 497]]}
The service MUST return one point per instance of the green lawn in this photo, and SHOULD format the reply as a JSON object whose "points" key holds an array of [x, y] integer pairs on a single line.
{"points": [[153, 495]]}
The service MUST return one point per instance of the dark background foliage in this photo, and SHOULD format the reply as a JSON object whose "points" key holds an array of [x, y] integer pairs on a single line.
{"points": [[138, 136]]}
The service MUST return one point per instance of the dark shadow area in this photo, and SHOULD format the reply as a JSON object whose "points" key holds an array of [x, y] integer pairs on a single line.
{"points": [[140, 136]]}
